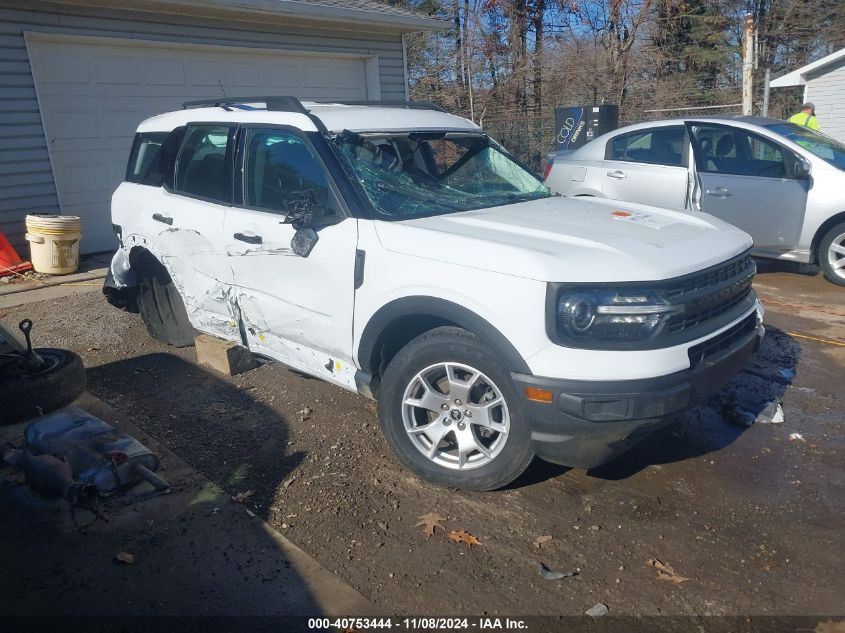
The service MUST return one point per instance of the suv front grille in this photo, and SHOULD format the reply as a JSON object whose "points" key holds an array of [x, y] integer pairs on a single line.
{"points": [[707, 295], [726, 340]]}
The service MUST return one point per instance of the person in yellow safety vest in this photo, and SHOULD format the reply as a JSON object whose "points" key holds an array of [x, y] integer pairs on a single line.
{"points": [[807, 117]]}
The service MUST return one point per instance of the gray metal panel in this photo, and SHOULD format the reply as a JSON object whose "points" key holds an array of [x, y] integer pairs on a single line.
{"points": [[24, 162], [827, 92]]}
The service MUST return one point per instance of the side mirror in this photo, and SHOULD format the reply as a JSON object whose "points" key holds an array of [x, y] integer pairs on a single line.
{"points": [[802, 168], [300, 216]]}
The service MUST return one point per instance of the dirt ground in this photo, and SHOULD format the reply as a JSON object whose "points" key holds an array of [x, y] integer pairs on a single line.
{"points": [[752, 519]]}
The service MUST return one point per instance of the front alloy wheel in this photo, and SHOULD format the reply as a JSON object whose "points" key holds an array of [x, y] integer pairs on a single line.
{"points": [[455, 416], [451, 412]]}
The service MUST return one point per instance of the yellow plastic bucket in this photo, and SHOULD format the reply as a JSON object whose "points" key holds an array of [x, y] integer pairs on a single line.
{"points": [[54, 242]]}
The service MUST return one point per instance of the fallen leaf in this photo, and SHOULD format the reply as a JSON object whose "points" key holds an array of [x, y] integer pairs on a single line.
{"points": [[430, 523], [463, 537], [125, 557], [542, 539], [242, 496], [829, 626], [665, 572]]}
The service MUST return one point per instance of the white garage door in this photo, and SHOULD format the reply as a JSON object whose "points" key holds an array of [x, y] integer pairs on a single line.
{"points": [[94, 92]]}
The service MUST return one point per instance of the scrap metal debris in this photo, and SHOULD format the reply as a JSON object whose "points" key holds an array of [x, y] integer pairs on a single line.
{"points": [[597, 611], [78, 457], [96, 452], [665, 572], [745, 413], [50, 475], [548, 574]]}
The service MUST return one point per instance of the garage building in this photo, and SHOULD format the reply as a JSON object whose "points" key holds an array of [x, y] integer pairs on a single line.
{"points": [[77, 76]]}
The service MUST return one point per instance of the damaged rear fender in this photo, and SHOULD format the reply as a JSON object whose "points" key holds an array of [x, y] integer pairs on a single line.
{"points": [[134, 259]]}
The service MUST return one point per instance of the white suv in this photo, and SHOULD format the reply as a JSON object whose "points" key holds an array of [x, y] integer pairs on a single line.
{"points": [[397, 251]]}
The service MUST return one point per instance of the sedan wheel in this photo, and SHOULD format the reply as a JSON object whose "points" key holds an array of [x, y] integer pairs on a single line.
{"points": [[832, 254]]}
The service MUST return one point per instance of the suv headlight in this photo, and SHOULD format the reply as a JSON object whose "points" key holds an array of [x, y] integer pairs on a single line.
{"points": [[611, 316]]}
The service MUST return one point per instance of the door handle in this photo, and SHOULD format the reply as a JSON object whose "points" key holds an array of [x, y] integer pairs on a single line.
{"points": [[164, 219], [718, 192], [619, 175], [249, 238]]}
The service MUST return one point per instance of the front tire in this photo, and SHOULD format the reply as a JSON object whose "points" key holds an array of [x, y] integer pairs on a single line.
{"points": [[832, 254], [452, 414]]}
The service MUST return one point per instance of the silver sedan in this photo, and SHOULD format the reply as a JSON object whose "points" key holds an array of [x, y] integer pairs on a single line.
{"points": [[782, 183]]}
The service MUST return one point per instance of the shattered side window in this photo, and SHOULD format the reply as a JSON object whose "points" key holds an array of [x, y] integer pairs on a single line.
{"points": [[418, 174], [279, 169]]}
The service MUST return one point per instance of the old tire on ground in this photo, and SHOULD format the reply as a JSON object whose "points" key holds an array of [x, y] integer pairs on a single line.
{"points": [[832, 254], [162, 308], [452, 414], [28, 394]]}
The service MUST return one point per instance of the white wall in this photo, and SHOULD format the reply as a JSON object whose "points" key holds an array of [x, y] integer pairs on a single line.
{"points": [[827, 92]]}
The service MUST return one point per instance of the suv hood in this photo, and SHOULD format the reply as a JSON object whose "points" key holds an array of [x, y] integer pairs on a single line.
{"points": [[570, 240]]}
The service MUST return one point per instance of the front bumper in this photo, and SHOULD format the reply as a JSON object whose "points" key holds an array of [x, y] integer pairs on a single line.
{"points": [[588, 423]]}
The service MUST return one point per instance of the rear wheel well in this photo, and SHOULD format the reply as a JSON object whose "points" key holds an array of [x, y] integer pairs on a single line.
{"points": [[819, 236], [143, 262]]}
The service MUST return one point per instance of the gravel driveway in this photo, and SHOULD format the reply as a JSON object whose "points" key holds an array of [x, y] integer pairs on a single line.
{"points": [[751, 519]]}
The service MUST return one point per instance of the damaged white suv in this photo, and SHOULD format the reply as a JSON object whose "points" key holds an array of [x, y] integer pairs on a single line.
{"points": [[399, 252]]}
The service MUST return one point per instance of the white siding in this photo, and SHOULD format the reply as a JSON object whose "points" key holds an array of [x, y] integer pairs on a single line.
{"points": [[26, 177], [827, 92]]}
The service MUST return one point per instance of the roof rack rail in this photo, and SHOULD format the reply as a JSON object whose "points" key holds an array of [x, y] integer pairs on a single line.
{"points": [[410, 105], [274, 103], [293, 104]]}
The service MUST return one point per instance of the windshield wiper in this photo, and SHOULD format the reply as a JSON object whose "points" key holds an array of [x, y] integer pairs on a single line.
{"points": [[383, 186], [528, 195]]}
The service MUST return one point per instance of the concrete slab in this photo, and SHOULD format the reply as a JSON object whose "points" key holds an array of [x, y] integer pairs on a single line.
{"points": [[14, 294], [197, 553]]}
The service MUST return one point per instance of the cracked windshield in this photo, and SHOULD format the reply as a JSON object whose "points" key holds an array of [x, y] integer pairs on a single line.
{"points": [[421, 174]]}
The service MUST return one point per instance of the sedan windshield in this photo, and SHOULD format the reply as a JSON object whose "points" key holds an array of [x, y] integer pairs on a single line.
{"points": [[418, 174], [825, 147]]}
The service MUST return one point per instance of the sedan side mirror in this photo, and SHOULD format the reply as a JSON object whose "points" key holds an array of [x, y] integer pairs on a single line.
{"points": [[802, 168]]}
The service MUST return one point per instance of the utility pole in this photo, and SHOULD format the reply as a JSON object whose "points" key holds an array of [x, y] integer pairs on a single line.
{"points": [[747, 63], [766, 80]]}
